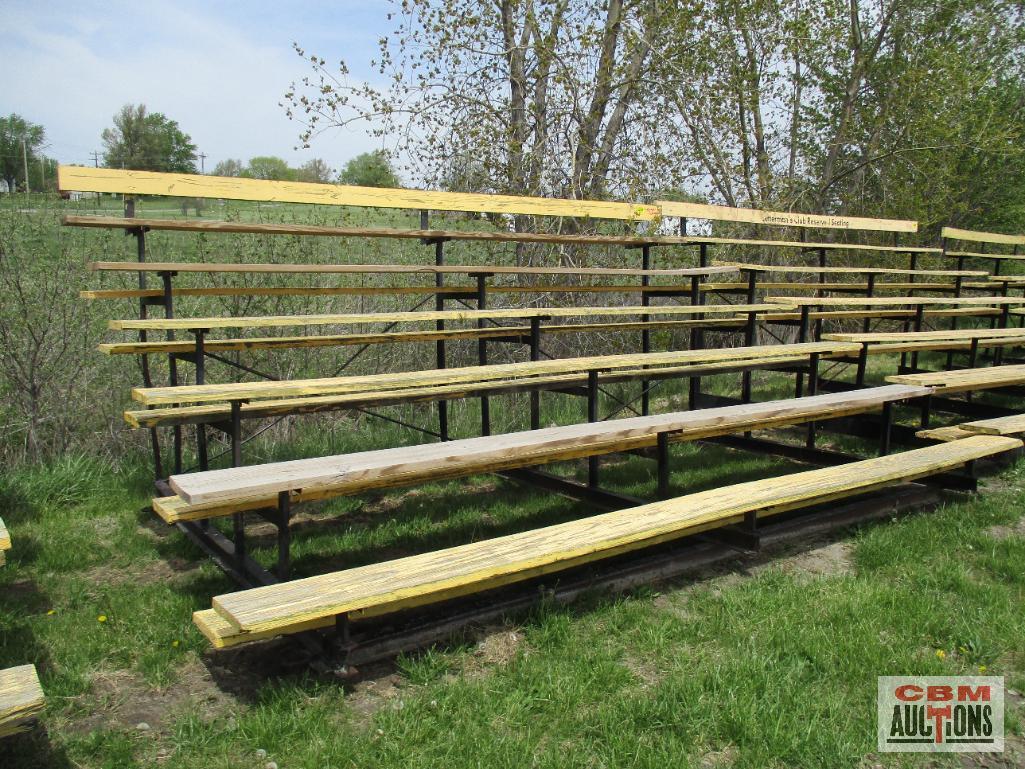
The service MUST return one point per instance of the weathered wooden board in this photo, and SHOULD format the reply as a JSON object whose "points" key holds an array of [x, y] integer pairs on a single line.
{"points": [[5, 537], [782, 218], [1011, 425], [964, 380], [741, 286], [21, 699], [83, 179], [159, 417], [399, 269], [898, 301], [398, 337], [431, 316], [816, 270], [925, 336], [982, 255], [469, 291], [957, 312], [214, 393], [417, 580], [953, 233], [311, 474], [950, 433]]}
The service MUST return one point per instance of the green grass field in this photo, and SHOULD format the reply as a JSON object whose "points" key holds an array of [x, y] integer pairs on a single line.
{"points": [[767, 661]]}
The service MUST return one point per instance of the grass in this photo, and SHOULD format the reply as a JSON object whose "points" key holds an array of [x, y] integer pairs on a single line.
{"points": [[769, 662], [763, 663]]}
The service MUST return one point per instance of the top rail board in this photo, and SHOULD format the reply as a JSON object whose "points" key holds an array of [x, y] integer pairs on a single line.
{"points": [[782, 218], [975, 236], [897, 301], [82, 179]]}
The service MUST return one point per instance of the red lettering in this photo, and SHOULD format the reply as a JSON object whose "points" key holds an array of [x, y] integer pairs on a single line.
{"points": [[979, 693], [908, 693], [939, 693]]}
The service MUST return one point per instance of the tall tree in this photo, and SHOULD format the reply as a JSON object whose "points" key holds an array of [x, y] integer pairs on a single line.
{"points": [[269, 167], [20, 140], [548, 96], [229, 167], [315, 170], [147, 141], [370, 169]]}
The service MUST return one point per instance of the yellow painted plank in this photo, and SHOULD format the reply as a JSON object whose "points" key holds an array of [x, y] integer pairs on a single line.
{"points": [[897, 301], [953, 233], [21, 699], [214, 393], [398, 337], [260, 228], [816, 270], [401, 269], [741, 286], [945, 434], [1010, 425], [964, 380], [971, 312], [278, 321], [430, 577], [375, 396], [5, 537], [983, 255], [82, 179], [782, 218], [924, 336]]}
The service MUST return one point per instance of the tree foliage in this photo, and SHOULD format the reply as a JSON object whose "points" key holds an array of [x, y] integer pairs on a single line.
{"points": [[905, 107], [315, 170], [370, 169], [19, 139], [269, 167], [147, 141], [229, 167]]}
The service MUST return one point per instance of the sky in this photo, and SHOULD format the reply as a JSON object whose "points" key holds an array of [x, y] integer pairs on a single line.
{"points": [[220, 68]]}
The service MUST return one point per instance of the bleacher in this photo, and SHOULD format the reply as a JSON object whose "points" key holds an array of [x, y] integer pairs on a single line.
{"points": [[875, 319], [21, 695]]}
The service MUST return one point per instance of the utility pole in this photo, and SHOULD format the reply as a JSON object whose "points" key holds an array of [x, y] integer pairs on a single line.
{"points": [[24, 161], [96, 159], [202, 162]]}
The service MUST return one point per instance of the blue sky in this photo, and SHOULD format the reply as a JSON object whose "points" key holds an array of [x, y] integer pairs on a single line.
{"points": [[219, 68]]}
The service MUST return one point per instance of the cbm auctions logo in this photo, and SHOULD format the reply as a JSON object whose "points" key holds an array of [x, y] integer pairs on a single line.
{"points": [[941, 714]]}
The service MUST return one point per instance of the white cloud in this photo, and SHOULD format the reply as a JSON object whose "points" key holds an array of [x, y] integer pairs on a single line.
{"points": [[70, 67]]}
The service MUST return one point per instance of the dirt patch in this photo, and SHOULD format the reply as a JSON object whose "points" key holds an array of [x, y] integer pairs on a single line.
{"points": [[645, 671], [828, 560], [371, 694], [499, 648], [719, 759], [120, 699], [1000, 533], [146, 573]]}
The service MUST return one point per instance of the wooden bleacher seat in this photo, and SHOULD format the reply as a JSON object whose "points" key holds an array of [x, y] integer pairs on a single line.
{"points": [[816, 270], [223, 492], [431, 316], [221, 393], [1009, 425], [920, 341], [964, 380], [419, 580], [399, 269], [944, 434], [5, 541], [21, 699], [399, 337]]}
